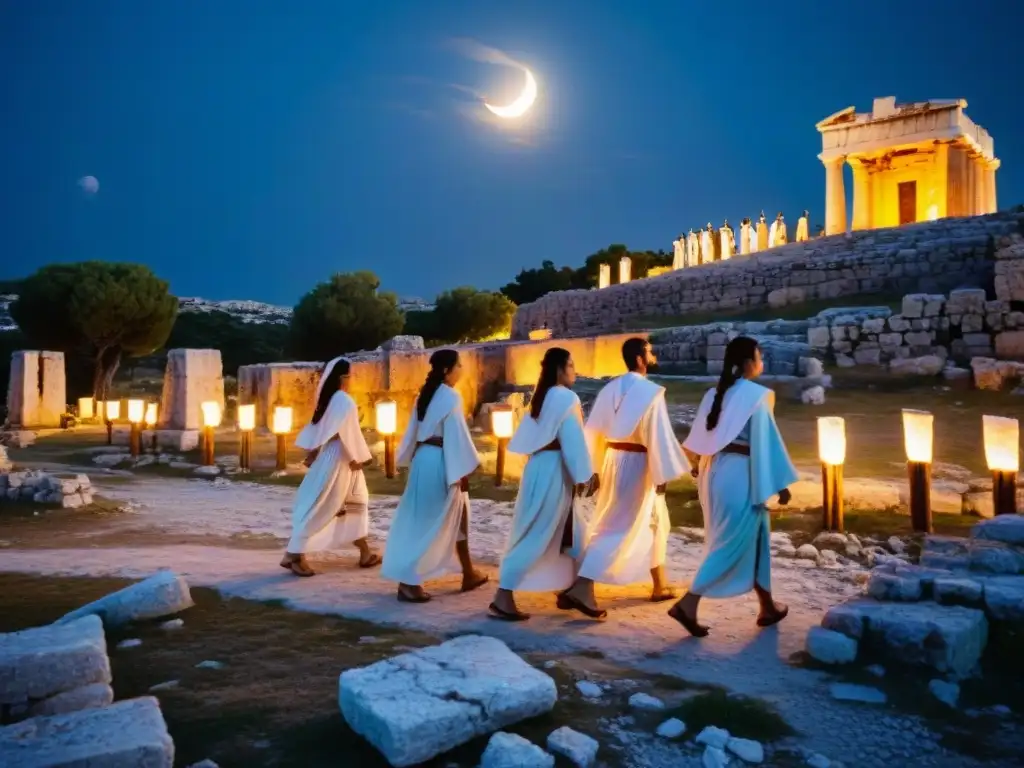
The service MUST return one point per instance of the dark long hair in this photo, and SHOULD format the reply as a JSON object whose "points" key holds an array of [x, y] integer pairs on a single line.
{"points": [[739, 351], [441, 362], [555, 360], [332, 379]]}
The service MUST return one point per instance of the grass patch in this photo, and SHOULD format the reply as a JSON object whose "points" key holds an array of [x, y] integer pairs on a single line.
{"points": [[742, 716]]}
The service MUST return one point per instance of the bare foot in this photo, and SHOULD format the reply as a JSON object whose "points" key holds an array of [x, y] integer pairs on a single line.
{"points": [[773, 614], [474, 580]]}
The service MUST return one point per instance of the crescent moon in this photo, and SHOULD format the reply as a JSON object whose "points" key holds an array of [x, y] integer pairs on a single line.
{"points": [[518, 107]]}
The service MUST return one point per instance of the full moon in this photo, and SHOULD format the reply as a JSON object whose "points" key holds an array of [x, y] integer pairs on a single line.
{"points": [[89, 184], [518, 107]]}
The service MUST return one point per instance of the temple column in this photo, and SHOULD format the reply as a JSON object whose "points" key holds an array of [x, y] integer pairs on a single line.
{"points": [[971, 183], [983, 182], [862, 203], [835, 197], [957, 203], [990, 187]]}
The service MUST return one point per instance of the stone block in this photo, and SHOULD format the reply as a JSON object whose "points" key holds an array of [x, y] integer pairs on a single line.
{"points": [[267, 385], [949, 639], [893, 588], [996, 557], [192, 377], [128, 734], [36, 394], [1008, 529], [86, 697], [163, 594], [951, 590], [578, 748], [830, 647], [899, 324], [1009, 345], [867, 356], [174, 440], [1004, 598], [962, 300], [913, 305], [819, 337], [509, 750], [926, 365], [38, 663], [420, 704]]}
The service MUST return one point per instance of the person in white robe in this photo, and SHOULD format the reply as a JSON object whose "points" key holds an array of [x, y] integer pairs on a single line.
{"points": [[679, 252], [777, 235], [692, 249], [752, 234], [741, 463], [330, 509], [762, 233], [802, 234], [746, 238], [547, 528], [707, 245], [631, 440], [429, 536], [728, 241]]}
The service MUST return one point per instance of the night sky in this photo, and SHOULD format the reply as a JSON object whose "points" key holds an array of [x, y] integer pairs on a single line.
{"points": [[248, 148]]}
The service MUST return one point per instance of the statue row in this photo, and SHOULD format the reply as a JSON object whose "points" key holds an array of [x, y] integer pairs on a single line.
{"points": [[721, 244]]}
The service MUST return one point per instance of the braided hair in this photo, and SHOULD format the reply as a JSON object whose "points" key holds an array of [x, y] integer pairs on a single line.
{"points": [[441, 363], [738, 353], [555, 360]]}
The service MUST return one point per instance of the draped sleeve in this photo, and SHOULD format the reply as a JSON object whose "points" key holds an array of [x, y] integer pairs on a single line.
{"points": [[667, 460], [575, 451], [460, 456], [771, 469]]}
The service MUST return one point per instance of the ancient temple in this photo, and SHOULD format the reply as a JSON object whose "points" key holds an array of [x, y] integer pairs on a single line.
{"points": [[910, 162]]}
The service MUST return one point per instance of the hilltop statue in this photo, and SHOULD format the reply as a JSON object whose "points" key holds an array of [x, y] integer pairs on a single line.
{"points": [[746, 237], [692, 249], [679, 252], [728, 240], [762, 233], [777, 235], [801, 228], [707, 246]]}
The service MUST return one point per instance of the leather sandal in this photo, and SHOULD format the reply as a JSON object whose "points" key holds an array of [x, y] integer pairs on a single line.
{"points": [[497, 613], [687, 623], [770, 619], [586, 610]]}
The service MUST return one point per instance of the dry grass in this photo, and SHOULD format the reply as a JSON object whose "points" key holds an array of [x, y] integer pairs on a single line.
{"points": [[274, 702]]}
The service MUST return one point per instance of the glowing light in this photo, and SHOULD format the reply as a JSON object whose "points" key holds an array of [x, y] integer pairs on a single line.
{"points": [[525, 100], [604, 276], [247, 417], [917, 435], [151, 412], [136, 411], [112, 410], [211, 413], [502, 424], [85, 408], [832, 439], [282, 420], [387, 417], [1002, 443]]}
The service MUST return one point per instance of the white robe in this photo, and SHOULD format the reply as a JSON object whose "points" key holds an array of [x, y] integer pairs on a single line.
{"points": [[678, 254], [707, 248], [753, 238], [692, 250], [746, 239], [425, 526], [734, 488], [629, 530], [535, 559], [728, 243], [330, 508], [777, 234], [801, 229]]}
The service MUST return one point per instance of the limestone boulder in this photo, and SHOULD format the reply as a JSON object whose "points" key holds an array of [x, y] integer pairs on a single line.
{"points": [[163, 594], [950, 639], [830, 647], [38, 663], [417, 705], [508, 750], [85, 697], [926, 365], [1008, 529], [128, 734], [1010, 345]]}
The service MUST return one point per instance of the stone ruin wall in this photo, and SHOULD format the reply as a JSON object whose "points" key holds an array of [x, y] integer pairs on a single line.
{"points": [[931, 257], [36, 394]]}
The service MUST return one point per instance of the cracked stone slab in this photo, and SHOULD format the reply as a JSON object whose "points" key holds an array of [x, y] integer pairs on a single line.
{"points": [[947, 638], [128, 734], [420, 704], [163, 594], [40, 662]]}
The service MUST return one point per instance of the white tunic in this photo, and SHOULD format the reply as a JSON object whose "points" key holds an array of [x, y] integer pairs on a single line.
{"points": [[629, 533], [330, 508], [535, 559], [746, 239], [425, 527], [678, 254], [727, 242], [707, 248], [801, 229], [692, 250]]}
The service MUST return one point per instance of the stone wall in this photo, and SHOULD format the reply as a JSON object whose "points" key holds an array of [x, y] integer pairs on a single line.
{"points": [[931, 257], [192, 377], [36, 395], [701, 348]]}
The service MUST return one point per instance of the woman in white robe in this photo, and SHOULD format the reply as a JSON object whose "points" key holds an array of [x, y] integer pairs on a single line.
{"points": [[330, 508], [742, 463], [547, 530], [429, 531]]}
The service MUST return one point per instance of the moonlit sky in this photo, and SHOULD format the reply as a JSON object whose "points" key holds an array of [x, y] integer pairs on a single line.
{"points": [[249, 148]]}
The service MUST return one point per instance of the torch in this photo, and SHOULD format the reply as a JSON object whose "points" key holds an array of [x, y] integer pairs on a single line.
{"points": [[832, 452]]}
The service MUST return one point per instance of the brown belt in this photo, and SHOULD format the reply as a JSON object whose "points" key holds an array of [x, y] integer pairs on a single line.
{"points": [[437, 442], [628, 447], [554, 445], [738, 448]]}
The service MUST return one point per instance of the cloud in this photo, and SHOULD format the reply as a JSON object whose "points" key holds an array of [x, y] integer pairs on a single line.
{"points": [[89, 184], [476, 51]]}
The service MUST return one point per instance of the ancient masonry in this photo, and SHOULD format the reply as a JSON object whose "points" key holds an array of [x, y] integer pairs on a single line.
{"points": [[933, 257], [36, 391]]}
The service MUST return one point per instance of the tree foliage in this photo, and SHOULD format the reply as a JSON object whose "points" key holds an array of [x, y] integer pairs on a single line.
{"points": [[102, 309], [240, 343], [531, 284], [466, 315], [344, 314]]}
